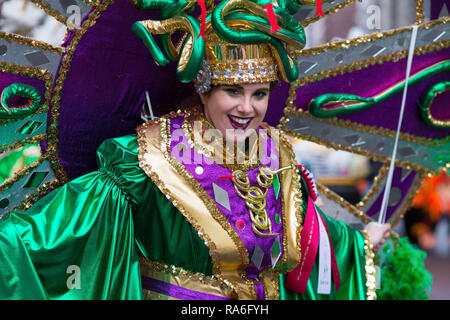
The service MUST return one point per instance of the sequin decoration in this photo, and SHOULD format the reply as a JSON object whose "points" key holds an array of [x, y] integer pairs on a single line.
{"points": [[257, 256], [275, 252], [240, 224], [221, 197]]}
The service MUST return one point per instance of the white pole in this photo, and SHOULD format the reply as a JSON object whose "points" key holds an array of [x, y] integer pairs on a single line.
{"points": [[382, 216]]}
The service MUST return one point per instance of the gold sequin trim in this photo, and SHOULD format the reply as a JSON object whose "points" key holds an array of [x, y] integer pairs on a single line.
{"points": [[164, 123], [407, 203], [14, 38], [22, 173], [271, 282], [210, 204], [369, 129], [50, 11], [186, 276], [372, 37], [209, 151], [35, 196], [59, 84], [146, 166], [291, 109], [400, 163], [21, 143], [382, 173], [356, 210], [343, 203], [420, 17], [297, 197], [370, 268]]}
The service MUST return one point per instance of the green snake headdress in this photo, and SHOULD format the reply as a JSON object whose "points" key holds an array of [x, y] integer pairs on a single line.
{"points": [[235, 41]]}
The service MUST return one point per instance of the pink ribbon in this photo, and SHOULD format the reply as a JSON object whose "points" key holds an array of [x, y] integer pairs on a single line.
{"points": [[319, 8], [203, 18], [272, 18], [297, 279]]}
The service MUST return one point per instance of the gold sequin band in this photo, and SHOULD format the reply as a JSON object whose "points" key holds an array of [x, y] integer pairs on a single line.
{"points": [[370, 268], [244, 63], [195, 285]]}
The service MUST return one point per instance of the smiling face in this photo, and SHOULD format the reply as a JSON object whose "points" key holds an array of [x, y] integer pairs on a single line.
{"points": [[236, 111]]}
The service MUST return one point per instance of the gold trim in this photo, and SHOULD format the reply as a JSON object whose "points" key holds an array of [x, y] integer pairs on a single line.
{"points": [[22, 173], [50, 11], [35, 196], [357, 210], [376, 157], [92, 3], [369, 268], [59, 84], [291, 200], [343, 203], [194, 203], [420, 16], [271, 283], [200, 210], [291, 109], [210, 204], [377, 181], [343, 123], [14, 38], [367, 38], [186, 279], [21, 143], [437, 122], [208, 151], [361, 64], [407, 203]]}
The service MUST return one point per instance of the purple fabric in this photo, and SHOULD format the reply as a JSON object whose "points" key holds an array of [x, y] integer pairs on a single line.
{"points": [[404, 186], [259, 289], [7, 78], [177, 292], [436, 7], [385, 115], [212, 171], [277, 103], [104, 90]]}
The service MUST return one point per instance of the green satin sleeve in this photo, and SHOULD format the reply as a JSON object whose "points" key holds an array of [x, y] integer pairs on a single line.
{"points": [[348, 245], [84, 239], [75, 243], [162, 233]]}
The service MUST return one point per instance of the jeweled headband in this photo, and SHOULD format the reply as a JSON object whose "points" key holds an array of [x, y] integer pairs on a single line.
{"points": [[238, 41]]}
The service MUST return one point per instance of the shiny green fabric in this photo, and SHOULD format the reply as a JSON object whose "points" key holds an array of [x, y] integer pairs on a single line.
{"points": [[23, 90], [348, 246], [103, 221], [426, 100]]}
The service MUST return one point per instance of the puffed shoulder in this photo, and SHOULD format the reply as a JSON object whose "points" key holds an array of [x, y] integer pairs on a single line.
{"points": [[122, 150], [118, 159]]}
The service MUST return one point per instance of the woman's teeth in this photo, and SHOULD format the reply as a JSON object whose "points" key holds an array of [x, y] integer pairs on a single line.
{"points": [[240, 121]]}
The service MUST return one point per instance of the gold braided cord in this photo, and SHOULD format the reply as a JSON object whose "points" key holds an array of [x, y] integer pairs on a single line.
{"points": [[255, 198]]}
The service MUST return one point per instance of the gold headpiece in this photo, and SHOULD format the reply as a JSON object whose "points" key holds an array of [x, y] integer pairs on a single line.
{"points": [[228, 64], [238, 41]]}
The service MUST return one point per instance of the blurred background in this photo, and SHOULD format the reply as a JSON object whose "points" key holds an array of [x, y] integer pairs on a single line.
{"points": [[426, 223]]}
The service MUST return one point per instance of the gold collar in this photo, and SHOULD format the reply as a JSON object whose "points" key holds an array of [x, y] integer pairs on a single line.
{"points": [[202, 139]]}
